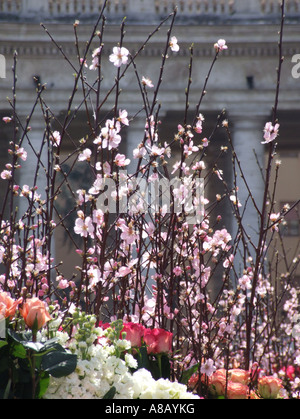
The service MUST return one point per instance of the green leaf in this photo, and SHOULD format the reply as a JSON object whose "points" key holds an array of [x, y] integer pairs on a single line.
{"points": [[110, 394], [20, 337], [165, 367], [7, 389], [59, 364], [42, 385], [3, 343], [143, 358], [34, 346], [186, 375], [18, 350]]}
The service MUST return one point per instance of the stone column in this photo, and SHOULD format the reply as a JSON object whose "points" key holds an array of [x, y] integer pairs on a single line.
{"points": [[247, 137]]}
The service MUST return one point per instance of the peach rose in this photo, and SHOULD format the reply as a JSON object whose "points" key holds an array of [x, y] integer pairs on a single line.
{"points": [[8, 306], [217, 384], [35, 309], [239, 376], [237, 391], [269, 387]]}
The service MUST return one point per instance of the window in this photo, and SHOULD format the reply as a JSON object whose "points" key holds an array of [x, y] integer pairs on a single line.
{"points": [[291, 226]]}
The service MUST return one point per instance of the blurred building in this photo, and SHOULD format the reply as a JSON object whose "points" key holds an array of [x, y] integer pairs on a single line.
{"points": [[243, 82]]}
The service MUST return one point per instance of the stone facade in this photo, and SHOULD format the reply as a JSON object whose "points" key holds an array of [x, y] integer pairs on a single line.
{"points": [[243, 81]]}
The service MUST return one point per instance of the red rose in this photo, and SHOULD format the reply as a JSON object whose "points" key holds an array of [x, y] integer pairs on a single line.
{"points": [[158, 341], [103, 326]]}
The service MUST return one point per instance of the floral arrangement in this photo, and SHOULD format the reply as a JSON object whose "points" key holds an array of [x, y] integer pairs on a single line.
{"points": [[117, 365], [108, 362], [238, 384], [156, 306]]}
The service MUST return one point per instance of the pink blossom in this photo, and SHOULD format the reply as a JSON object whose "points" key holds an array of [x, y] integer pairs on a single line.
{"points": [[205, 142], [95, 55], [121, 161], [84, 227], [228, 261], [123, 117], [2, 253], [270, 132], [157, 151], [85, 155], [81, 196], [110, 137], [98, 217], [221, 45], [222, 238], [63, 283], [124, 271], [97, 185], [150, 228], [6, 119], [25, 191], [119, 56], [94, 276], [275, 218], [128, 234], [189, 149], [82, 61], [21, 153], [199, 165], [235, 201], [174, 44], [55, 138], [139, 152], [198, 128], [6, 174], [208, 368], [177, 270], [147, 82], [245, 282]]}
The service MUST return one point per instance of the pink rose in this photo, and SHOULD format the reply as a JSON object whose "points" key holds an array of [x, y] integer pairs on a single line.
{"points": [[269, 387], [8, 306], [158, 341], [35, 309], [134, 333]]}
